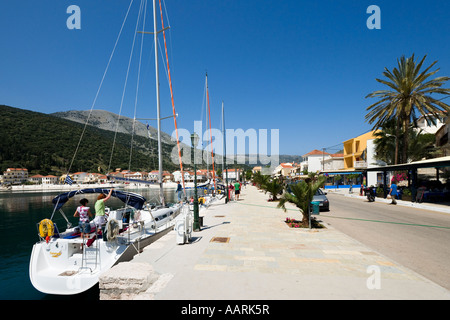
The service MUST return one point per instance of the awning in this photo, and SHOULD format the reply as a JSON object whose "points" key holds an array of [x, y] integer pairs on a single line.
{"points": [[429, 163], [340, 172], [132, 199]]}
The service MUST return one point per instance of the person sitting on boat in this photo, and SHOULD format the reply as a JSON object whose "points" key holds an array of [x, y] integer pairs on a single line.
{"points": [[84, 213], [100, 219]]}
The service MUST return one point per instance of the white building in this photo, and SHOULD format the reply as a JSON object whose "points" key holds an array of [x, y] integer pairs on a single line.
{"points": [[373, 177], [188, 176], [79, 177], [49, 179], [233, 174], [333, 162], [153, 176], [427, 126], [36, 179], [313, 161], [15, 176]]}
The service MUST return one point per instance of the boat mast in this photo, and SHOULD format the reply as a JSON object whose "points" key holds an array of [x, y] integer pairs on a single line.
{"points": [[224, 160], [210, 134], [160, 168]]}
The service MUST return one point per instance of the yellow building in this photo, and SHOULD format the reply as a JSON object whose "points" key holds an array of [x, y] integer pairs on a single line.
{"points": [[355, 151]]}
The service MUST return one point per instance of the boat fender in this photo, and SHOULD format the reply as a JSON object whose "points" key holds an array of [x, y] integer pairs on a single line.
{"points": [[112, 229], [46, 229]]}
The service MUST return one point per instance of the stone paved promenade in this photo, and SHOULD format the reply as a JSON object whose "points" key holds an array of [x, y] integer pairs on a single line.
{"points": [[260, 258]]}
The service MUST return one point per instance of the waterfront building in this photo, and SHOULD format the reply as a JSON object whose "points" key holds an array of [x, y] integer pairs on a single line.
{"points": [[167, 176], [115, 174], [283, 169], [425, 124], [79, 177], [355, 151], [203, 175], [15, 176], [177, 176], [40, 179], [36, 179], [314, 161], [359, 154], [233, 174], [256, 169], [334, 162]]}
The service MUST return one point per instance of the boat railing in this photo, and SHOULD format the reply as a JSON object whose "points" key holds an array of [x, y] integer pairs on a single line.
{"points": [[86, 250]]}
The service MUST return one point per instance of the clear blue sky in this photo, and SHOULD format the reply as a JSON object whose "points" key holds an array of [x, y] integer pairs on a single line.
{"points": [[303, 67]]}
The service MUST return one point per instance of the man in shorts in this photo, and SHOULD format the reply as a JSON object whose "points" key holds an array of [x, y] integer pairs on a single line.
{"points": [[237, 189]]}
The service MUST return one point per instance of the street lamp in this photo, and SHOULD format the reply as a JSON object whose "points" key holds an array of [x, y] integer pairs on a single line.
{"points": [[194, 140]]}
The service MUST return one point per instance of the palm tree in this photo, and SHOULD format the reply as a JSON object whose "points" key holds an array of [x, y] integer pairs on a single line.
{"points": [[420, 145], [386, 145], [260, 179], [274, 187], [409, 96], [301, 196]]}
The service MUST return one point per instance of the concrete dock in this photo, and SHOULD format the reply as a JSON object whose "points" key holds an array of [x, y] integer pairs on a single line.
{"points": [[245, 251]]}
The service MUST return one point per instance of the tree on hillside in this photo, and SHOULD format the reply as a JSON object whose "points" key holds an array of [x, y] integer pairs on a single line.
{"points": [[408, 97]]}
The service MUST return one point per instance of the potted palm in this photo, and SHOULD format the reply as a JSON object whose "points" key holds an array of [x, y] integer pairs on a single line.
{"points": [[301, 196]]}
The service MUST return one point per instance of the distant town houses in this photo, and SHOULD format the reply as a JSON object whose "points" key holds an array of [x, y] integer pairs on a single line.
{"points": [[358, 154], [14, 176]]}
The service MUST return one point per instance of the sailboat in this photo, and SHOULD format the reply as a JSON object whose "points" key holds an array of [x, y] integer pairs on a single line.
{"points": [[63, 263], [212, 188]]}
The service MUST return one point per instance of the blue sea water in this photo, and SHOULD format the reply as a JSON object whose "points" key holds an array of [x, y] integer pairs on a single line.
{"points": [[19, 215]]}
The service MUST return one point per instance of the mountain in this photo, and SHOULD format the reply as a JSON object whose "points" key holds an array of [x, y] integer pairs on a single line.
{"points": [[282, 158], [109, 121], [46, 144]]}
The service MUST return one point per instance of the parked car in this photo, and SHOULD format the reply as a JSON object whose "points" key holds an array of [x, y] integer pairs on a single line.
{"points": [[321, 197]]}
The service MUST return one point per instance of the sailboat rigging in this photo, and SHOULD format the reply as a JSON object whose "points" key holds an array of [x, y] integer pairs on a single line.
{"points": [[210, 133], [64, 263]]}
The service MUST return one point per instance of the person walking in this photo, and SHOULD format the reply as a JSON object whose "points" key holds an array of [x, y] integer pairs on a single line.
{"points": [[230, 192], [237, 190], [393, 191]]}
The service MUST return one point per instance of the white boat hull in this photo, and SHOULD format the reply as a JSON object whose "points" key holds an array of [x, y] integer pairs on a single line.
{"points": [[61, 267]]}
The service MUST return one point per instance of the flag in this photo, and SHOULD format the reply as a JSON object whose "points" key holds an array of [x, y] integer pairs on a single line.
{"points": [[68, 180]]}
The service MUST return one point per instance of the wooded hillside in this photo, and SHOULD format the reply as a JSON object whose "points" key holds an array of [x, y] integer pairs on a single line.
{"points": [[46, 144]]}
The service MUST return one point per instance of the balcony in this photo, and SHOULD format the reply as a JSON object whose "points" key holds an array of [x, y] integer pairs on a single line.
{"points": [[360, 164]]}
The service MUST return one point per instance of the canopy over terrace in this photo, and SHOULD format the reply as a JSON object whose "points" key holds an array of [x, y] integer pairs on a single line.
{"points": [[333, 173], [412, 167]]}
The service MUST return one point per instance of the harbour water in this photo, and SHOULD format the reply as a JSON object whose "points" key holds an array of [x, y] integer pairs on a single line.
{"points": [[19, 215]]}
